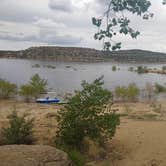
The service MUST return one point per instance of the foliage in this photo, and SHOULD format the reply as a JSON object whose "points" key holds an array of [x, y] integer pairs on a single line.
{"points": [[159, 88], [27, 91], [131, 68], [132, 92], [164, 68], [19, 130], [121, 92], [129, 93], [77, 158], [50, 66], [34, 88], [114, 68], [141, 69], [111, 25], [36, 66], [85, 116], [38, 85], [7, 89]]}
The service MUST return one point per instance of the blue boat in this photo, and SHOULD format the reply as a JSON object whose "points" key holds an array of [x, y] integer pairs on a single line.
{"points": [[48, 100]]}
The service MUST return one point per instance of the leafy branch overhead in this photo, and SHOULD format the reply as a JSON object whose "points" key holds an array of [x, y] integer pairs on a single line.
{"points": [[114, 21]]}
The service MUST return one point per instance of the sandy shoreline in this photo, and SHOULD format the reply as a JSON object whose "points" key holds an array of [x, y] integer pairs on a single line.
{"points": [[139, 141]]}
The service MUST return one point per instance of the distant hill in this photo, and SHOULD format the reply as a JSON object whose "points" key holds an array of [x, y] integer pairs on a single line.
{"points": [[56, 53], [84, 55], [136, 56]]}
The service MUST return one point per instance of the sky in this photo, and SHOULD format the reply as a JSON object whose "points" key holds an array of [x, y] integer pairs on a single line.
{"points": [[26, 23]]}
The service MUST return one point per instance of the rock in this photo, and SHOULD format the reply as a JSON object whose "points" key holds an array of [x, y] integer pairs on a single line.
{"points": [[32, 155]]}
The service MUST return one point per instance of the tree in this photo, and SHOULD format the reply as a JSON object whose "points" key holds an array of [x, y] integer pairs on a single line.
{"points": [[129, 93], [142, 69], [121, 92], [132, 92], [34, 88], [19, 130], [7, 89], [38, 85], [27, 91], [85, 116], [111, 25], [159, 88], [114, 68]]}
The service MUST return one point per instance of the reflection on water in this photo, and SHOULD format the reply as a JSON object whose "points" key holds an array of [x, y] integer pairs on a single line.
{"points": [[66, 77]]}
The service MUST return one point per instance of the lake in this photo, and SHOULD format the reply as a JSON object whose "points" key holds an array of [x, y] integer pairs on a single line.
{"points": [[67, 77]]}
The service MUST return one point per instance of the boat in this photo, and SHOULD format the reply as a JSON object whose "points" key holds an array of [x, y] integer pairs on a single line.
{"points": [[48, 100]]}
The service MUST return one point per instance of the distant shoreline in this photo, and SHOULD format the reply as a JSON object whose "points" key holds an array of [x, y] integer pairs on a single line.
{"points": [[76, 54]]}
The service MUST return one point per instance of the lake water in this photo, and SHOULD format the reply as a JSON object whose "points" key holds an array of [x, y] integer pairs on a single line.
{"points": [[67, 77]]}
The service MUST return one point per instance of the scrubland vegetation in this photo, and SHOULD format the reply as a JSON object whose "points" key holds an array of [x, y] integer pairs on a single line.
{"points": [[19, 130], [87, 117]]}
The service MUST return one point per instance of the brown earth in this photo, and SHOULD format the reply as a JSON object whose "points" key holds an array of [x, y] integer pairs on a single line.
{"points": [[45, 122], [139, 140]]}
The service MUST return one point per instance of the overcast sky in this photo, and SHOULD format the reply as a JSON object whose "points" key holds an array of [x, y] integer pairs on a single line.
{"points": [[26, 23]]}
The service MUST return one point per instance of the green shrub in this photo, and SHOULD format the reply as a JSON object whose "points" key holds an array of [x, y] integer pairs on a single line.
{"points": [[27, 91], [19, 130], [129, 93], [141, 69], [36, 66], [34, 88], [7, 89], [114, 68], [50, 66], [159, 88], [121, 92], [132, 92], [131, 69], [164, 68], [77, 158], [84, 116]]}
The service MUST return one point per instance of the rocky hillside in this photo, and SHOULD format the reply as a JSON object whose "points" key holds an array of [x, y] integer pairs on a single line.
{"points": [[56, 53], [84, 55], [137, 56]]}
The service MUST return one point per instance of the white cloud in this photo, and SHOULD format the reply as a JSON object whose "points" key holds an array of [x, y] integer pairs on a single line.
{"points": [[61, 5], [48, 23], [68, 22]]}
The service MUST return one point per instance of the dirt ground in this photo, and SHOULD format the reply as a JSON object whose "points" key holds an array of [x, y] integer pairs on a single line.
{"points": [[140, 139], [45, 124]]}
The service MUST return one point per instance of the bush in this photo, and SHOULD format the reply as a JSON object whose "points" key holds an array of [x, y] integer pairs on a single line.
{"points": [[36, 66], [114, 68], [19, 130], [164, 68], [131, 69], [27, 91], [129, 93], [141, 69], [121, 92], [132, 92], [34, 88], [77, 158], [159, 88], [7, 89], [85, 116]]}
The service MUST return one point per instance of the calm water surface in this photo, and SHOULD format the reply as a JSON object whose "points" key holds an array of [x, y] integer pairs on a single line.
{"points": [[67, 77]]}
